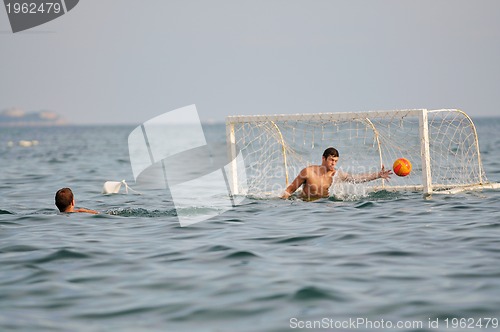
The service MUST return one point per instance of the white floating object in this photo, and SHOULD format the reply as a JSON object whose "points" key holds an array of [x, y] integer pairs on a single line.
{"points": [[113, 187], [26, 143]]}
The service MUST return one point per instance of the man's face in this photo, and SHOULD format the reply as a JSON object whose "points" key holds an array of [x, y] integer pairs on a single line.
{"points": [[330, 162]]}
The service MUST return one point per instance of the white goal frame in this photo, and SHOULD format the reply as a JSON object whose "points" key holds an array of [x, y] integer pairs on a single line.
{"points": [[427, 186]]}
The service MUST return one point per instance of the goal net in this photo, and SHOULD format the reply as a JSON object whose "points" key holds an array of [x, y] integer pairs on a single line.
{"points": [[442, 146]]}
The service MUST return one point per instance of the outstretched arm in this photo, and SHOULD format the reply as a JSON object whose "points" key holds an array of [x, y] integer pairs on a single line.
{"points": [[86, 211], [358, 178], [299, 180]]}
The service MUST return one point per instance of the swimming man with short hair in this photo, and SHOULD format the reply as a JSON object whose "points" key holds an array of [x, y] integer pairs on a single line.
{"points": [[317, 179], [65, 202]]}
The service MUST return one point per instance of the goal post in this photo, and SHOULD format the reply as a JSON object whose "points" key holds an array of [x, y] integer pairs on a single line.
{"points": [[442, 146], [425, 152]]}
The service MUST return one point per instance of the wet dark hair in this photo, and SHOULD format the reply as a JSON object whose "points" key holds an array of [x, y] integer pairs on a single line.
{"points": [[330, 152], [64, 198]]}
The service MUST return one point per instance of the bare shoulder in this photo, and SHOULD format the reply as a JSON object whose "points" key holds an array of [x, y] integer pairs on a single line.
{"points": [[309, 170], [306, 170], [313, 168]]}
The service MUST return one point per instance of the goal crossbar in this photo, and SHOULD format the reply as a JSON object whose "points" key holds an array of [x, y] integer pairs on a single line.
{"points": [[234, 119]]}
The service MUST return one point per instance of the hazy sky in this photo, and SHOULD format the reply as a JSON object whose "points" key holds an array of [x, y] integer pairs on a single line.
{"points": [[123, 61]]}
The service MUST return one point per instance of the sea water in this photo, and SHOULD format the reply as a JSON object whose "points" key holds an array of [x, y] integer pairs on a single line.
{"points": [[382, 261]]}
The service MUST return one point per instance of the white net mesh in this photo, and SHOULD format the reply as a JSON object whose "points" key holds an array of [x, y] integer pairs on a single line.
{"points": [[275, 148]]}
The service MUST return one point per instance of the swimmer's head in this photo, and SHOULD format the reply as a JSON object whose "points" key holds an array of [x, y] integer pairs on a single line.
{"points": [[330, 152], [64, 199]]}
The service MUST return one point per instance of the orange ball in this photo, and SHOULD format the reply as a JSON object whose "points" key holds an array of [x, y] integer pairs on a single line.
{"points": [[401, 167]]}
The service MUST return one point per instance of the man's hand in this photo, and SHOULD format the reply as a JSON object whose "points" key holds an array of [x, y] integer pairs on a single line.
{"points": [[383, 174], [285, 195]]}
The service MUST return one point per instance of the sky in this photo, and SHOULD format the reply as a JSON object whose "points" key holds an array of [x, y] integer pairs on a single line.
{"points": [[123, 61]]}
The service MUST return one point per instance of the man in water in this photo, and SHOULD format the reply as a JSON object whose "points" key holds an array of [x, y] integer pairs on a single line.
{"points": [[317, 179], [65, 202]]}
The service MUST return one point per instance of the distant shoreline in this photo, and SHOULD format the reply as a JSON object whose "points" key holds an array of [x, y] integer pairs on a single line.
{"points": [[16, 117], [31, 124]]}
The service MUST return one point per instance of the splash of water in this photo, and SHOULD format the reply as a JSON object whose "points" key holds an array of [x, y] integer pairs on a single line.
{"points": [[347, 191]]}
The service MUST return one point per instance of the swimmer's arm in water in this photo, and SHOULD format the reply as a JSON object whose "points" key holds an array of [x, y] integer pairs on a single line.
{"points": [[299, 180], [86, 211]]}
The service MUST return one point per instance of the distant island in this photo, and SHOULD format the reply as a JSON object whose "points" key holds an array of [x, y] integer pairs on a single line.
{"points": [[16, 117]]}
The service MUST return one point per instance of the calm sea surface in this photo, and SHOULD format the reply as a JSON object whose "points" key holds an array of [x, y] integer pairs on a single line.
{"points": [[381, 261]]}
